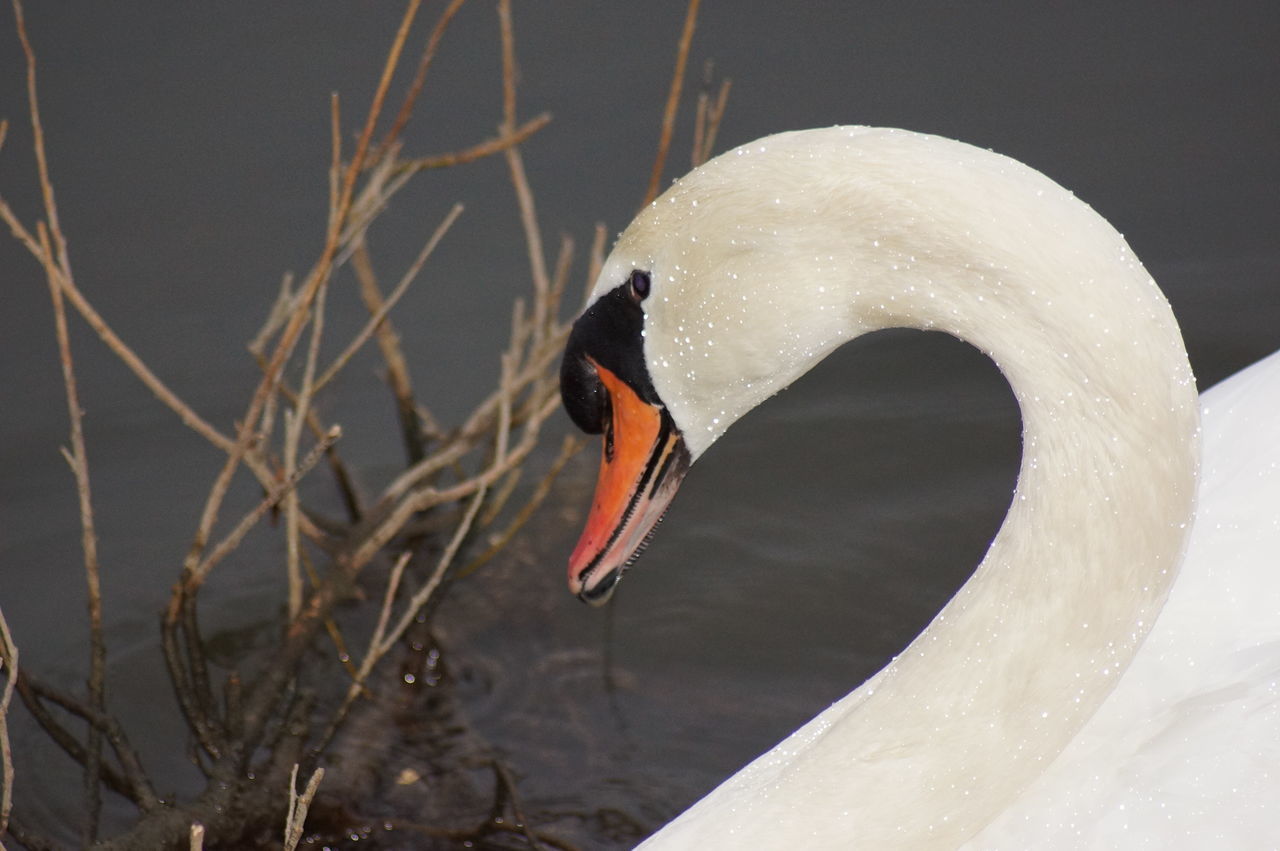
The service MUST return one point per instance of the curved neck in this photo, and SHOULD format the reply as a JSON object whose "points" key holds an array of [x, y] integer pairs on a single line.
{"points": [[924, 233]]}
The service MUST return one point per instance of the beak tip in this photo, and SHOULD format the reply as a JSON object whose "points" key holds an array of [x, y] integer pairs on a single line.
{"points": [[596, 594]]}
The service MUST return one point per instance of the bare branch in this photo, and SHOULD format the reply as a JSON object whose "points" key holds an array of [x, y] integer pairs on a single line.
{"points": [[335, 153], [595, 259], [673, 102], [9, 661], [78, 459], [293, 436], [424, 593], [568, 449], [132, 784], [707, 123], [411, 431], [515, 164], [496, 145], [37, 130], [298, 806], [271, 500], [419, 78], [374, 321], [377, 648], [428, 497], [560, 280]]}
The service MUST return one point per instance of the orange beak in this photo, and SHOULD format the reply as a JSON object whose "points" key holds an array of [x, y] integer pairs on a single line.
{"points": [[641, 466]]}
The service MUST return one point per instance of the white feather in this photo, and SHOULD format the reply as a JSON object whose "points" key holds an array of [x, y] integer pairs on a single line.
{"points": [[1002, 724]]}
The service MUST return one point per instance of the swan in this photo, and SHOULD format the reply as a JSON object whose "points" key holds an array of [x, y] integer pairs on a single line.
{"points": [[1072, 693]]}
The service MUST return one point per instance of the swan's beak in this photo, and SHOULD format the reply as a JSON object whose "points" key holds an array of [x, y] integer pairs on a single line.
{"points": [[643, 461]]}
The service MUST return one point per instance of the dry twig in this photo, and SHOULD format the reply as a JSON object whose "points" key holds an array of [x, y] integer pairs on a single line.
{"points": [[707, 123], [379, 315], [673, 102], [9, 661], [502, 142], [419, 78], [515, 163], [57, 265], [296, 819]]}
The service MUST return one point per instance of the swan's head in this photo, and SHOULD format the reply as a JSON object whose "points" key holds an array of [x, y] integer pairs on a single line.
{"points": [[721, 292], [607, 390]]}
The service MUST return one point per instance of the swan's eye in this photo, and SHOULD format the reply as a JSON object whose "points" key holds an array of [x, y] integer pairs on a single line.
{"points": [[639, 283]]}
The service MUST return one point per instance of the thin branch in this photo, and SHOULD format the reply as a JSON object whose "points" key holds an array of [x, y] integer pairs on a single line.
{"points": [[595, 258], [268, 502], [335, 152], [383, 182], [560, 280], [37, 130], [377, 648], [673, 102], [504, 408], [133, 784], [480, 421], [707, 123], [420, 598], [293, 436], [140, 790], [9, 661], [411, 432], [495, 145], [429, 466], [188, 673], [425, 498], [506, 793], [502, 494], [568, 449], [298, 805], [419, 78], [376, 319], [515, 164], [77, 458]]}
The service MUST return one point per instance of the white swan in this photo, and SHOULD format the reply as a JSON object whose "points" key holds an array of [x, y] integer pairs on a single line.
{"points": [[1016, 718]]}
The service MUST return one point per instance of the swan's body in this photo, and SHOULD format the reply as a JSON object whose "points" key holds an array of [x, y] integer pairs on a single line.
{"points": [[755, 266]]}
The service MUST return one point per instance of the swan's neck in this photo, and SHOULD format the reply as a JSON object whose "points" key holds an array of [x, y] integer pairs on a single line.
{"points": [[919, 232]]}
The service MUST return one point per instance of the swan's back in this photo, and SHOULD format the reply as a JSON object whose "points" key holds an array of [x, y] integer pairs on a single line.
{"points": [[1186, 751]]}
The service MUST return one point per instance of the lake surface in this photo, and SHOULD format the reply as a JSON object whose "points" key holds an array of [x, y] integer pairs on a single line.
{"points": [[188, 146]]}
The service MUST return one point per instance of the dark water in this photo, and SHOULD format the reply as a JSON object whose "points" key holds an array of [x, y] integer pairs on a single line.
{"points": [[189, 146]]}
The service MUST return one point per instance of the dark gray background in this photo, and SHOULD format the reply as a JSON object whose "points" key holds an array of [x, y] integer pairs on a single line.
{"points": [[189, 144]]}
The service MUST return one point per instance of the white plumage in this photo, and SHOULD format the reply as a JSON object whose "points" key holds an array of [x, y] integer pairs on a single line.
{"points": [[1016, 719]]}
